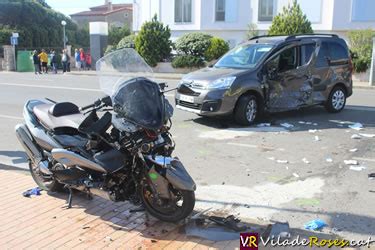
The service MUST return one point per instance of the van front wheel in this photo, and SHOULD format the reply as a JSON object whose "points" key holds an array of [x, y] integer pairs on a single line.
{"points": [[336, 100], [246, 110]]}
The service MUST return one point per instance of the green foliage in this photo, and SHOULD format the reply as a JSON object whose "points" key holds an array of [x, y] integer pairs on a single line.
{"points": [[360, 42], [109, 49], [187, 61], [217, 48], [115, 34], [290, 21], [38, 25], [152, 42], [252, 31], [127, 42], [194, 44], [5, 34]]}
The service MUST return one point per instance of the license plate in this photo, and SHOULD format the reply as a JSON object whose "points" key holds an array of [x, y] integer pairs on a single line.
{"points": [[187, 98]]}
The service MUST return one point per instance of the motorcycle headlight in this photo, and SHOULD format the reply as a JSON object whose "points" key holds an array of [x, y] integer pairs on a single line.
{"points": [[222, 83]]}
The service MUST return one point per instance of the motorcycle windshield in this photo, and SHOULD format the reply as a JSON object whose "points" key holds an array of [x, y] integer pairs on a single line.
{"points": [[123, 76]]}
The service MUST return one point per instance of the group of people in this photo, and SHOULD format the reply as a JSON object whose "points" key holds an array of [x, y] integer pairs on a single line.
{"points": [[41, 60]]}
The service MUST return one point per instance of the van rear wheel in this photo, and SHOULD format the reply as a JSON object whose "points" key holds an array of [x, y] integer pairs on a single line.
{"points": [[336, 100], [247, 110]]}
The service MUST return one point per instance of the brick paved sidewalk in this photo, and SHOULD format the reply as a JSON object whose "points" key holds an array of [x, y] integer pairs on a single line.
{"points": [[41, 222]]}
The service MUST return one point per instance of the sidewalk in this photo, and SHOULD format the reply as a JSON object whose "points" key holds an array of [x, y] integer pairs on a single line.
{"points": [[172, 76], [41, 222]]}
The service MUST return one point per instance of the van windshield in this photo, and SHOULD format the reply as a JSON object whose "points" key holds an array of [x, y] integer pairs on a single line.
{"points": [[244, 56]]}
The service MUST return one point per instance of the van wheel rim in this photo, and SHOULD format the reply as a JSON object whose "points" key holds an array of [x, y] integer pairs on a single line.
{"points": [[251, 110], [338, 99]]}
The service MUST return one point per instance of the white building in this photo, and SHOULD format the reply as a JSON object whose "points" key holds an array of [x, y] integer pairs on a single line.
{"points": [[229, 19]]}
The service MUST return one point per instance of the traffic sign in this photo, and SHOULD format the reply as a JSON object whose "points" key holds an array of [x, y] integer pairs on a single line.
{"points": [[13, 40], [15, 35]]}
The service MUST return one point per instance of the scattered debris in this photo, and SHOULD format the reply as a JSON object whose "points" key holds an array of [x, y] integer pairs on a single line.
{"points": [[330, 160], [85, 227], [315, 225], [271, 158], [282, 161], [248, 170], [229, 222], [287, 125], [371, 176], [353, 150], [335, 230], [260, 125], [351, 162], [198, 215], [304, 160], [33, 191], [313, 131], [356, 126], [315, 124], [223, 183], [308, 123], [154, 241], [276, 230], [356, 136], [368, 135], [108, 238], [296, 175], [302, 122], [359, 168], [317, 138]]}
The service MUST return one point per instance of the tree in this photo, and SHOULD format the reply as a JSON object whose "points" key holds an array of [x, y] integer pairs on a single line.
{"points": [[127, 42], [217, 48], [115, 34], [152, 42], [290, 21], [360, 42], [194, 44]]}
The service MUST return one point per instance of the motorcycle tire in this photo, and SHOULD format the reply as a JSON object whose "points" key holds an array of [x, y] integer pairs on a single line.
{"points": [[52, 186]]}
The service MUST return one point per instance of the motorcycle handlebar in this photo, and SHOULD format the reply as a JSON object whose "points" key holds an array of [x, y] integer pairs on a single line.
{"points": [[105, 100]]}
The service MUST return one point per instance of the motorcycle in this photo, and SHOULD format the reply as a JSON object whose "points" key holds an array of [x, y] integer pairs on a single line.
{"points": [[118, 148]]}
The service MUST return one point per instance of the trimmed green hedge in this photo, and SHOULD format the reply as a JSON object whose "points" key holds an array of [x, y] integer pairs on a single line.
{"points": [[187, 61]]}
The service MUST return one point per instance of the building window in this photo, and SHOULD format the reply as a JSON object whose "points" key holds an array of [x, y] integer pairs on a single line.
{"points": [[265, 10], [363, 10], [182, 11], [220, 10]]}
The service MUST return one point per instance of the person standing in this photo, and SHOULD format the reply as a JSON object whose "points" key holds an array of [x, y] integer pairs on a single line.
{"points": [[83, 58], [65, 60], [36, 62], [88, 61], [77, 57], [44, 60], [54, 61]]}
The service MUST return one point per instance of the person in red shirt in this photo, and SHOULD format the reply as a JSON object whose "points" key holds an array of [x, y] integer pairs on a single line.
{"points": [[83, 58], [88, 61]]}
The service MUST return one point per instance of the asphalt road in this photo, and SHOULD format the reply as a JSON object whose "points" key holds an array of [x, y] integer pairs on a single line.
{"points": [[244, 170]]}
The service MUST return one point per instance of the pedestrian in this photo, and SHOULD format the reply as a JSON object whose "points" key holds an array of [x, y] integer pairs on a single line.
{"points": [[65, 61], [36, 62], [88, 60], [54, 62], [44, 60], [83, 58], [77, 57]]}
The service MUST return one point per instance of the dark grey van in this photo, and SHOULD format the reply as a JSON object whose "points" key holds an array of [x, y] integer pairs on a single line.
{"points": [[271, 74]]}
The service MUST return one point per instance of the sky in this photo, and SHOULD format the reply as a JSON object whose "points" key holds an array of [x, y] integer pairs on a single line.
{"points": [[73, 6]]}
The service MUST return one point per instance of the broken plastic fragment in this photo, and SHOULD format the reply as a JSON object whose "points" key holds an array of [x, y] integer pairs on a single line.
{"points": [[351, 162], [353, 150], [296, 175], [356, 126], [317, 138], [313, 131], [305, 161], [282, 161], [355, 136], [368, 135], [330, 160], [287, 125], [264, 125], [271, 158], [359, 168], [315, 224], [302, 122]]}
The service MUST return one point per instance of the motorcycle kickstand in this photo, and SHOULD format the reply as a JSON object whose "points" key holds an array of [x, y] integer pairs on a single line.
{"points": [[70, 197]]}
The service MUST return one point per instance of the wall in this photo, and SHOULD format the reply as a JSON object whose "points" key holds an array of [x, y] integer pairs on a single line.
{"points": [[119, 18]]}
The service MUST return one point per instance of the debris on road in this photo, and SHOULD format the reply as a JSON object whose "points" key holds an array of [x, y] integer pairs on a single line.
{"points": [[33, 191], [368, 135], [287, 125], [353, 150], [282, 161], [302, 122], [356, 126], [260, 125], [278, 229], [313, 131], [315, 124], [315, 225], [271, 158], [296, 175], [356, 136], [371, 176], [317, 138], [304, 160], [359, 168], [351, 162], [330, 160]]}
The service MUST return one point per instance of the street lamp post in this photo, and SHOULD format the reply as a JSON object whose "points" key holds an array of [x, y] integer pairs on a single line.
{"points": [[63, 23]]}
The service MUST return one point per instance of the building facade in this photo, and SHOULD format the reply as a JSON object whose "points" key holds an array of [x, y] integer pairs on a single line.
{"points": [[114, 14], [229, 19]]}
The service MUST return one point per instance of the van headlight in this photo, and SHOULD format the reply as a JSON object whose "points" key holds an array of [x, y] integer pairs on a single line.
{"points": [[222, 83]]}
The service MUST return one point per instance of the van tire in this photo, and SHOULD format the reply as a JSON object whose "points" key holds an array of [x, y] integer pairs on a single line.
{"points": [[336, 100], [247, 110]]}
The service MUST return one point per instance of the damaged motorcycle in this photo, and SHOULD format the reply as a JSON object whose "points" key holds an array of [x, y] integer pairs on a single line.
{"points": [[118, 148]]}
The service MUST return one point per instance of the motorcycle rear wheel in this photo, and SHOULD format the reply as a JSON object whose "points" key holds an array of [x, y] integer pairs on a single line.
{"points": [[47, 184], [179, 212]]}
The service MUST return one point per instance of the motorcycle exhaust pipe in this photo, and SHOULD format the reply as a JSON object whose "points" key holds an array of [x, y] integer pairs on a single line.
{"points": [[101, 193], [32, 150]]}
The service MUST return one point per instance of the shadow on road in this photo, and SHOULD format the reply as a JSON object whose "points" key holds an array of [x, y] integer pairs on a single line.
{"points": [[17, 157]]}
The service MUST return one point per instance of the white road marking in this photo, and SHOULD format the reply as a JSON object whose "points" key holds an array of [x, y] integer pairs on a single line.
{"points": [[11, 117], [259, 201], [363, 159], [48, 87], [231, 133], [254, 146]]}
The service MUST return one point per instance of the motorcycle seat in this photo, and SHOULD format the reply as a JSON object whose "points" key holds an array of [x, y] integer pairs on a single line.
{"points": [[70, 117], [63, 108]]}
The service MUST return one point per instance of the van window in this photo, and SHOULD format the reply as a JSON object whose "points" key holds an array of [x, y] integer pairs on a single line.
{"points": [[306, 53], [288, 59], [338, 52], [321, 61]]}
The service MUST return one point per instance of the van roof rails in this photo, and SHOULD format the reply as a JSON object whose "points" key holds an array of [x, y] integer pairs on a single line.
{"points": [[295, 36]]}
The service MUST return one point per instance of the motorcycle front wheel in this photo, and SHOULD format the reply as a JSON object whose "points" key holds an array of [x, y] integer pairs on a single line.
{"points": [[47, 183], [172, 210]]}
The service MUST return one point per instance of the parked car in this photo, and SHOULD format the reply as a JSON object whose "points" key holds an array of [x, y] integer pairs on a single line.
{"points": [[271, 74]]}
